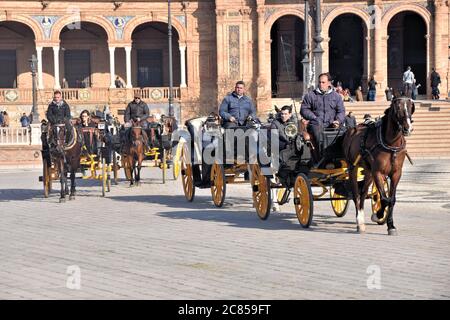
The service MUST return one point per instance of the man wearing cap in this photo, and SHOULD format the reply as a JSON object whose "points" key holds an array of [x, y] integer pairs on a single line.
{"points": [[137, 110]]}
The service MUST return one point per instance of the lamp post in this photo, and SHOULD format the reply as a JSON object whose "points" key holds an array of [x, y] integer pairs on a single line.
{"points": [[305, 60], [169, 33], [33, 64], [318, 51]]}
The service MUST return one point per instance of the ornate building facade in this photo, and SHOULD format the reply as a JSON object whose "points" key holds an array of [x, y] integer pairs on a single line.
{"points": [[84, 46]]}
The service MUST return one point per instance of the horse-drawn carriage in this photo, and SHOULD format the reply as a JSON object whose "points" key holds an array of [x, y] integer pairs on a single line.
{"points": [[134, 149], [85, 149], [205, 162]]}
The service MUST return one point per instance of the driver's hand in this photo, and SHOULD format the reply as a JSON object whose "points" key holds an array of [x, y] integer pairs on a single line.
{"points": [[138, 119], [336, 124], [232, 119]]}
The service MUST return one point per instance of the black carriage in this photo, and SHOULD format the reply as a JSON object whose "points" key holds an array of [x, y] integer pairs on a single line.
{"points": [[197, 173], [298, 174]]}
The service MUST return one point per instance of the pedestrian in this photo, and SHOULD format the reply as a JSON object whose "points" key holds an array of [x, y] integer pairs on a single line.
{"points": [[388, 93], [408, 81], [435, 81], [358, 94], [1, 118], [119, 83], [350, 120], [372, 89], [415, 91], [5, 119], [24, 120], [65, 83]]}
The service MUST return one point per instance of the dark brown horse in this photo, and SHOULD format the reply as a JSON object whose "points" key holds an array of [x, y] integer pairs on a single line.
{"points": [[379, 149], [65, 152], [133, 153]]}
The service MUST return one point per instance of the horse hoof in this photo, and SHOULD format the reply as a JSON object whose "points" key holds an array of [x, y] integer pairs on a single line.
{"points": [[361, 228], [374, 218], [392, 232], [71, 197], [62, 200]]}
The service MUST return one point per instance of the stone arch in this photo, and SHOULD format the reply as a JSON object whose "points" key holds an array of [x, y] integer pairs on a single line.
{"points": [[29, 22], [421, 11], [100, 21], [340, 11], [285, 12], [135, 22]]}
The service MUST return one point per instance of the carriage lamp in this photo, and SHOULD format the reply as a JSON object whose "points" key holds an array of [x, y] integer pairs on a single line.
{"points": [[34, 114]]}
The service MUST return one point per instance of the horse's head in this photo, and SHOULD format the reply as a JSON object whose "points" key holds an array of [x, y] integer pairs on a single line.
{"points": [[136, 130], [59, 132], [402, 109]]}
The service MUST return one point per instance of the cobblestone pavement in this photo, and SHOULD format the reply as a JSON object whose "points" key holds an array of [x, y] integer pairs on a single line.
{"points": [[149, 242]]}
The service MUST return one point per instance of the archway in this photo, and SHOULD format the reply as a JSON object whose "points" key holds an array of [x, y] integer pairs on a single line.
{"points": [[347, 50], [17, 45], [287, 34], [150, 56], [407, 46], [85, 56]]}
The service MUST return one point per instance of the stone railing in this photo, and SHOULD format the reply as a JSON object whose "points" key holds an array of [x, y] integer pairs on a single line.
{"points": [[24, 96], [15, 136]]}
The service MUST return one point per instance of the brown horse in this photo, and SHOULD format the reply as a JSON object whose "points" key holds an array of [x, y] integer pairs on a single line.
{"points": [[380, 150], [133, 153], [65, 152]]}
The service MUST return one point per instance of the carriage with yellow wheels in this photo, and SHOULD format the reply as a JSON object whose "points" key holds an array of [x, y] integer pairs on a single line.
{"points": [[296, 177], [203, 167]]}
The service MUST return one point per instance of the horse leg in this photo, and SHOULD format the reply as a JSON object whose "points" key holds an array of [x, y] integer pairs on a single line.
{"points": [[131, 165], [378, 179], [360, 223], [365, 190], [63, 180], [395, 179], [72, 185]]}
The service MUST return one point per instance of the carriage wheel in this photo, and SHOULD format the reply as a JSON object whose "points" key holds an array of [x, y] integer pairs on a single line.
{"points": [[176, 161], [261, 192], [218, 184], [103, 177], [376, 200], [187, 177], [303, 200], [47, 179], [340, 207]]}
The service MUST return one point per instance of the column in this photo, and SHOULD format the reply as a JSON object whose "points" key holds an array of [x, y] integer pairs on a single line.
{"points": [[56, 67], [128, 65], [441, 33], [39, 67], [112, 72], [183, 66]]}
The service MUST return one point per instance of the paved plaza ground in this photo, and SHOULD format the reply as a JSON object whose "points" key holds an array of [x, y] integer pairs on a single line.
{"points": [[148, 242]]}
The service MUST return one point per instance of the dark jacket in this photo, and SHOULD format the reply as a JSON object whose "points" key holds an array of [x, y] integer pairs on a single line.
{"points": [[25, 121], [435, 79], [58, 113], [280, 126], [239, 108], [136, 110], [350, 122], [372, 84], [323, 108]]}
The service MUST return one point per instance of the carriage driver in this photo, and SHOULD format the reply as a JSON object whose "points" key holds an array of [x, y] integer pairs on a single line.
{"points": [[323, 108], [236, 107], [58, 112], [136, 110]]}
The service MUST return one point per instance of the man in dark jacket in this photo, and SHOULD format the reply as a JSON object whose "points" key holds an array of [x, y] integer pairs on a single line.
{"points": [[435, 81], [136, 110], [281, 123], [236, 107], [58, 112], [323, 108]]}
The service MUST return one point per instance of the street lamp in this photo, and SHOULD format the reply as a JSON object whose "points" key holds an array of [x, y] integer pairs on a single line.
{"points": [[169, 33], [305, 60], [34, 114], [318, 51]]}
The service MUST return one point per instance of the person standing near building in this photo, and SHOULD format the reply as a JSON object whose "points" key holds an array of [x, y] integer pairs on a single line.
{"points": [[24, 120], [415, 90], [358, 94], [119, 83], [408, 81], [350, 120], [372, 89], [435, 81]]}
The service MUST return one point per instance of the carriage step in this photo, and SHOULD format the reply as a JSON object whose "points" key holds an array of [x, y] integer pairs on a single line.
{"points": [[255, 188], [297, 201]]}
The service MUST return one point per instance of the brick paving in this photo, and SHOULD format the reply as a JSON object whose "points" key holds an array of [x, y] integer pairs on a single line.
{"points": [[149, 242]]}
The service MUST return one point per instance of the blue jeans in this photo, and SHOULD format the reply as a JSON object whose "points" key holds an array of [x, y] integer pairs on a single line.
{"points": [[371, 95]]}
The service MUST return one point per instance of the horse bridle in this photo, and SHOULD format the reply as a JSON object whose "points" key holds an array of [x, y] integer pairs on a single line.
{"points": [[408, 115]]}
